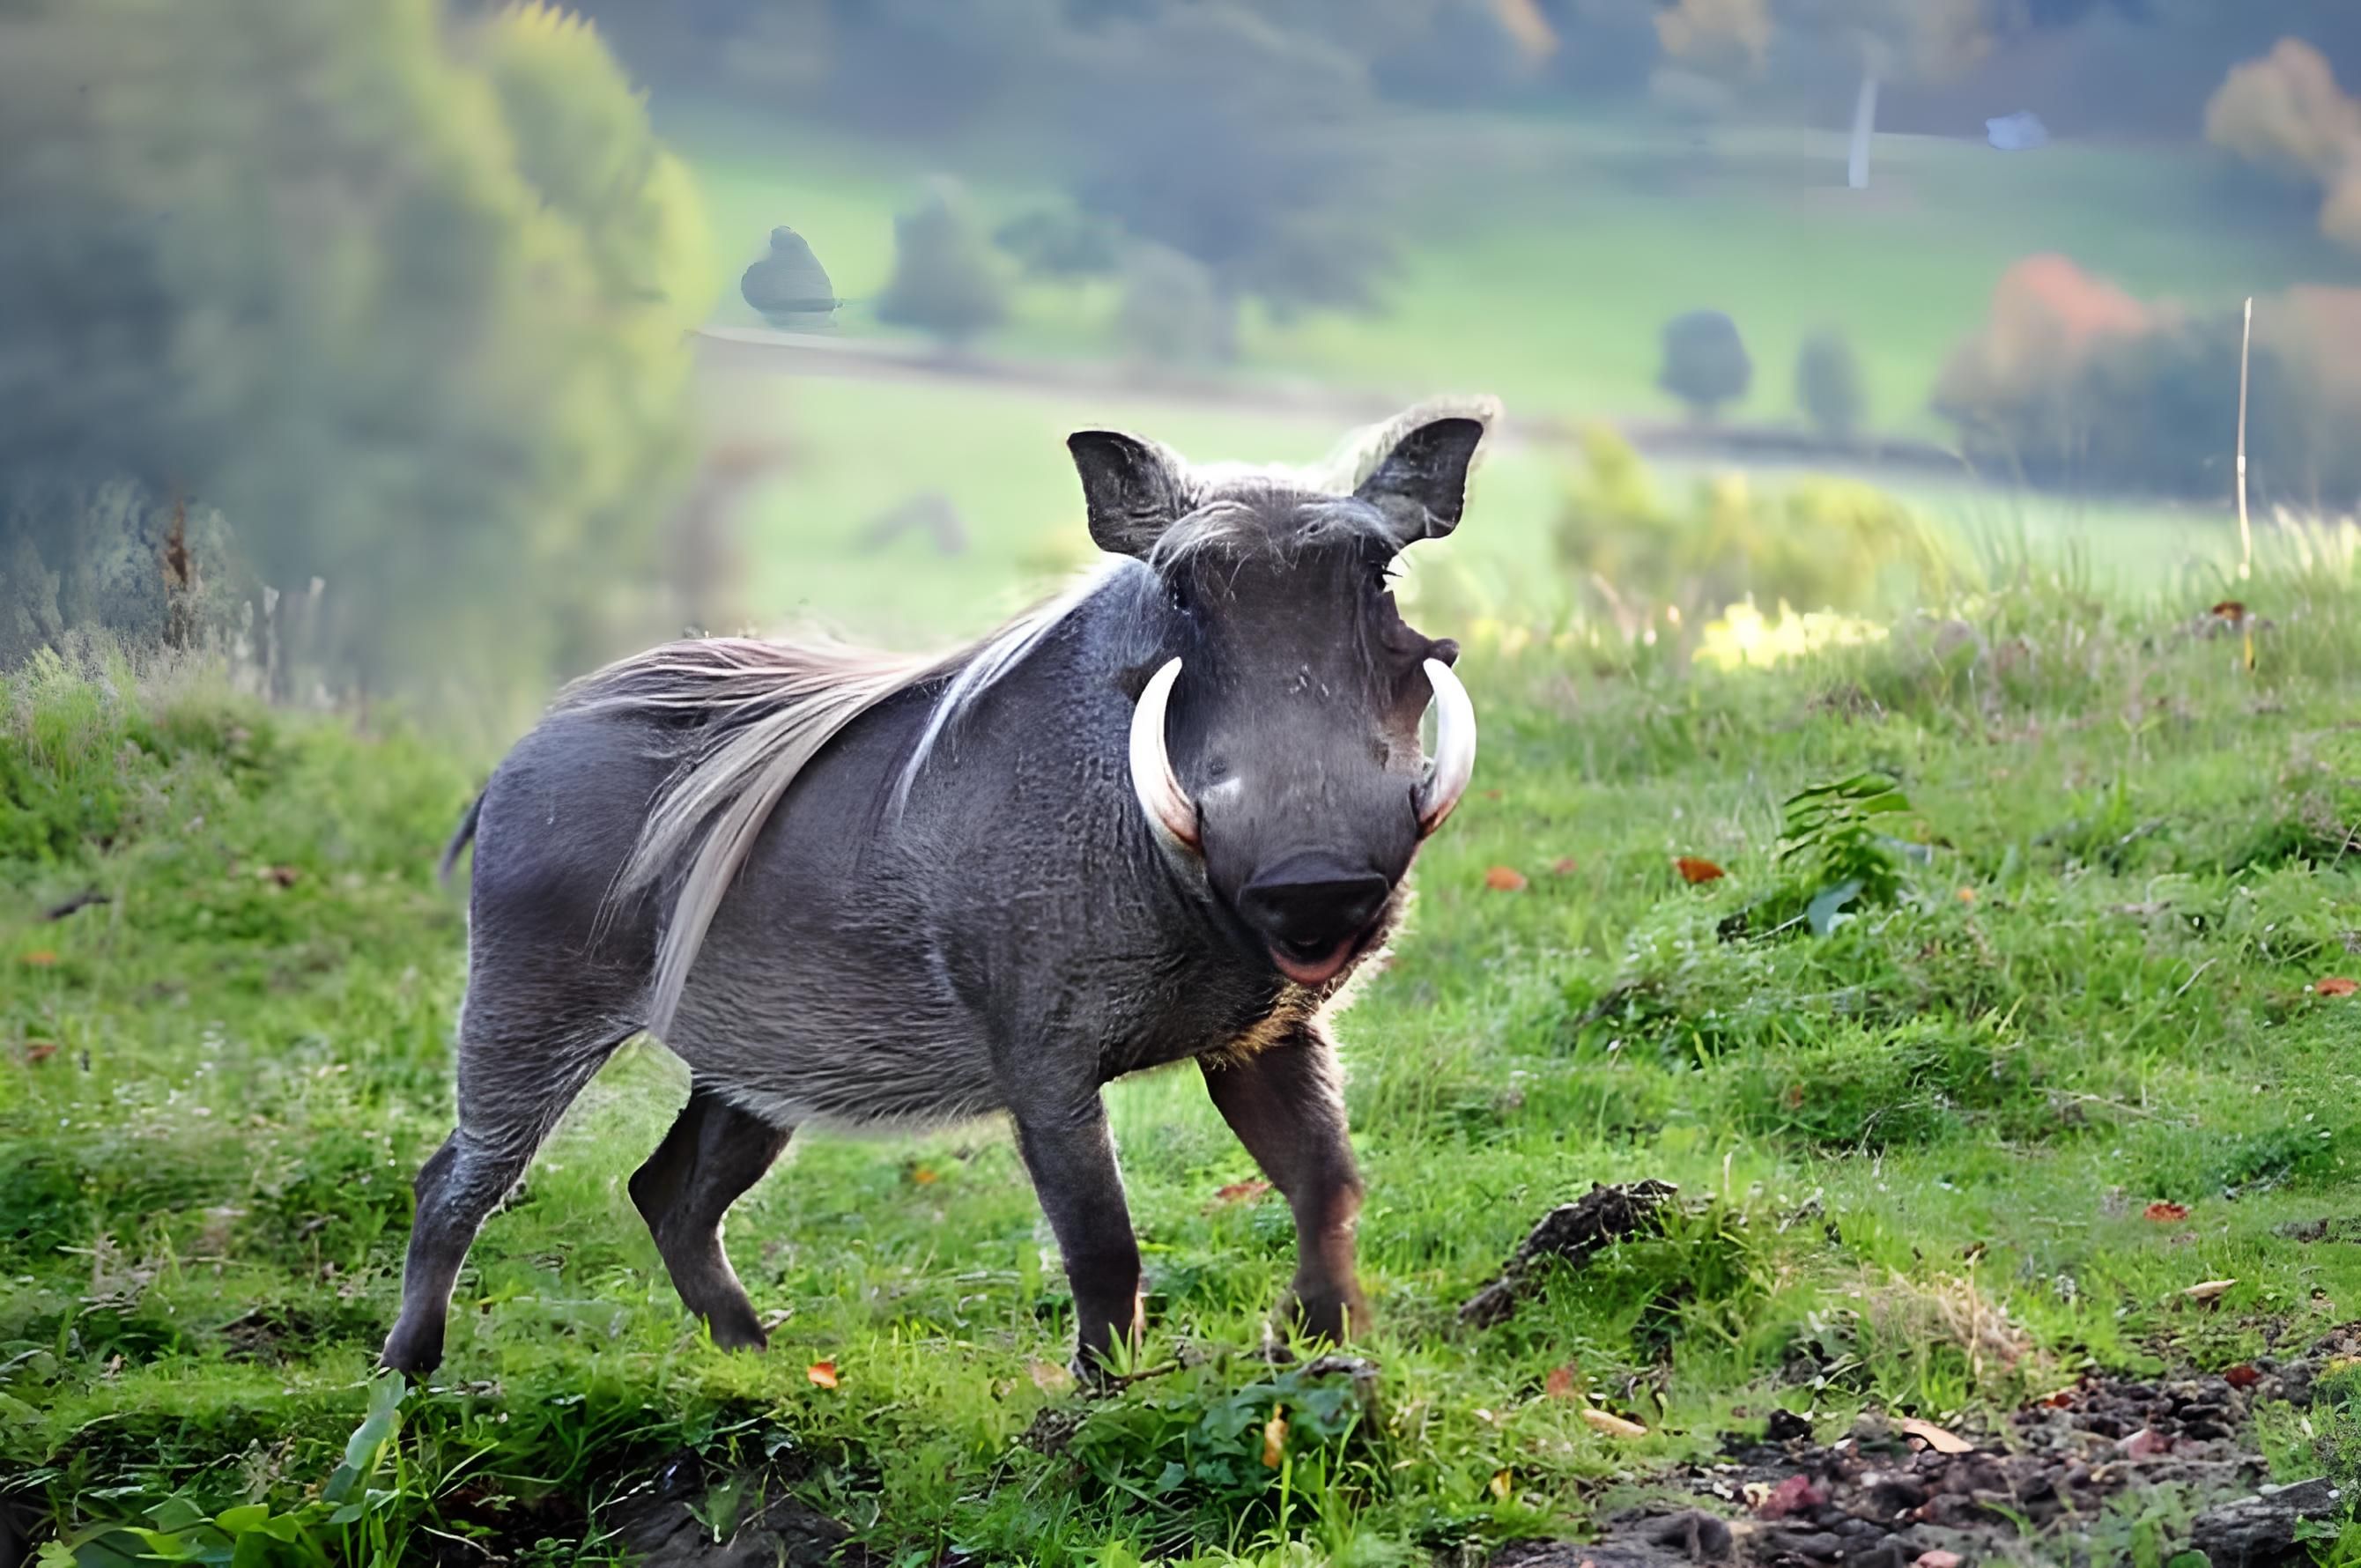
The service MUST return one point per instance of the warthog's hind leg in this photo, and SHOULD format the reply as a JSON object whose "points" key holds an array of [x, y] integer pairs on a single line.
{"points": [[510, 1098], [713, 1154]]}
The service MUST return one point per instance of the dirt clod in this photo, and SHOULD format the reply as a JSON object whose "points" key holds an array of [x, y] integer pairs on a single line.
{"points": [[1571, 1232]]}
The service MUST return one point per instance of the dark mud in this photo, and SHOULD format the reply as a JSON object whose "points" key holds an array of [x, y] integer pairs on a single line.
{"points": [[2063, 1481]]}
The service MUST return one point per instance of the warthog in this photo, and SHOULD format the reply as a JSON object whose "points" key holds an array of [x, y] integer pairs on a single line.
{"points": [[1163, 817]]}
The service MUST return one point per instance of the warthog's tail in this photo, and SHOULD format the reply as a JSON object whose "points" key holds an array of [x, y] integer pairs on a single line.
{"points": [[466, 831], [759, 712]]}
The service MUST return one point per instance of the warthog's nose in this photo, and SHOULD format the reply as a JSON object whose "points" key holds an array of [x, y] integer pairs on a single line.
{"points": [[1312, 912]]}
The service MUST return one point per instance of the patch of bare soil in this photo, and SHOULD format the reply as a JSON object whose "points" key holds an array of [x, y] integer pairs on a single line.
{"points": [[2057, 1485], [690, 1518]]}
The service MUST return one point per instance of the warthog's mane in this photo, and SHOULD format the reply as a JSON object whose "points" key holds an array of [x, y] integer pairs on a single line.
{"points": [[761, 709]]}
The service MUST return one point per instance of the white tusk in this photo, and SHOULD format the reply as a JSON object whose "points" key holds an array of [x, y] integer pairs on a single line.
{"points": [[1453, 762], [1169, 810]]}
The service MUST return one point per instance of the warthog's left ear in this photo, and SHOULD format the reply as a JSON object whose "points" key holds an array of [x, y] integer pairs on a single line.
{"points": [[1420, 484], [1131, 488]]}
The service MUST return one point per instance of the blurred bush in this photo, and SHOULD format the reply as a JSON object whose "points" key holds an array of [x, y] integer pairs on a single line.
{"points": [[404, 298], [2071, 381], [1653, 566], [1172, 314], [1061, 244], [1705, 364], [944, 283], [1829, 385], [787, 285]]}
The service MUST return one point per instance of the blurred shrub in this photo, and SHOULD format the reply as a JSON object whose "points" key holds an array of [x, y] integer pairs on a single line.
{"points": [[2072, 381], [1819, 544], [1705, 363], [787, 285], [1172, 314], [404, 298], [1061, 244], [943, 282], [1828, 384]]}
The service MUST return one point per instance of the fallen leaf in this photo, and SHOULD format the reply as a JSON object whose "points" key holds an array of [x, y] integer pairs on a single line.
{"points": [[1559, 1384], [40, 1050], [1936, 1438], [1501, 1481], [822, 1373], [1967, 896], [1504, 879], [1795, 1494], [2208, 1290], [1695, 870], [2337, 985], [1239, 1192], [923, 1176], [1611, 1424], [2242, 1376], [2059, 1401], [1563, 866], [1935, 1557], [1274, 1438], [2165, 1213], [41, 959], [2144, 1443], [1049, 1376]]}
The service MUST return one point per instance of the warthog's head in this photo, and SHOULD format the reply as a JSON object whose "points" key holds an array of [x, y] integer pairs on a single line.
{"points": [[1277, 736]]}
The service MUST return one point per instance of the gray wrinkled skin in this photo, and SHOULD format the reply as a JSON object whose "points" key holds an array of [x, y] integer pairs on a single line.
{"points": [[1012, 934]]}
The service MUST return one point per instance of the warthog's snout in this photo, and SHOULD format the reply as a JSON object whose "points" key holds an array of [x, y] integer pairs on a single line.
{"points": [[1314, 913]]}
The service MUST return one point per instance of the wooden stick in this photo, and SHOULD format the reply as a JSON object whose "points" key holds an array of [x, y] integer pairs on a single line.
{"points": [[2246, 529]]}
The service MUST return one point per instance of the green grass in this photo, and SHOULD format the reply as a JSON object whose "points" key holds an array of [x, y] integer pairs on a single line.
{"points": [[1540, 257], [2099, 991]]}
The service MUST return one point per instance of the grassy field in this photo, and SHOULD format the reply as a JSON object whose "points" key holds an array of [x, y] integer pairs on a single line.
{"points": [[858, 449], [2101, 986], [1540, 257]]}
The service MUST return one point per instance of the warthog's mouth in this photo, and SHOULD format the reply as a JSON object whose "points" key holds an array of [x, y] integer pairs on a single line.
{"points": [[1316, 966]]}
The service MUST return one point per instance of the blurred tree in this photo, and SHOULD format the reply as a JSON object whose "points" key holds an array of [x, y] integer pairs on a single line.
{"points": [[943, 281], [406, 300], [1705, 363], [1172, 313], [787, 285], [2286, 114], [1828, 384], [1209, 130], [1061, 244]]}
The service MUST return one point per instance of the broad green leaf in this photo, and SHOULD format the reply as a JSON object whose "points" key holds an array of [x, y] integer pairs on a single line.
{"points": [[1825, 912]]}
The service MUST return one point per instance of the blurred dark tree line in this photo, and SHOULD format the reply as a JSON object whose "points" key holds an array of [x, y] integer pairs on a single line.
{"points": [[361, 293]]}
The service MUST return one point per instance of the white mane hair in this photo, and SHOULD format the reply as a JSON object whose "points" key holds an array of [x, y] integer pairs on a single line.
{"points": [[761, 709]]}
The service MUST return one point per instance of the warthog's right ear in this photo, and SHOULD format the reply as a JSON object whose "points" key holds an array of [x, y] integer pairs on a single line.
{"points": [[1130, 488]]}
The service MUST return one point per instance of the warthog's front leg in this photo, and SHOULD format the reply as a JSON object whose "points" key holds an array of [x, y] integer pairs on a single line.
{"points": [[1069, 1152], [1286, 1104]]}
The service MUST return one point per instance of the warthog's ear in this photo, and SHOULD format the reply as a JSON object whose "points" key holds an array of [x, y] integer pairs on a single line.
{"points": [[1420, 484], [1129, 486]]}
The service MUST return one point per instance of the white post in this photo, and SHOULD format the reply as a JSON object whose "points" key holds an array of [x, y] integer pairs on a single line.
{"points": [[1864, 121], [2245, 528]]}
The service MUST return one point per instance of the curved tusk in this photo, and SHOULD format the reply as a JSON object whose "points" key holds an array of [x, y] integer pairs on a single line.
{"points": [[1169, 810], [1453, 762]]}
